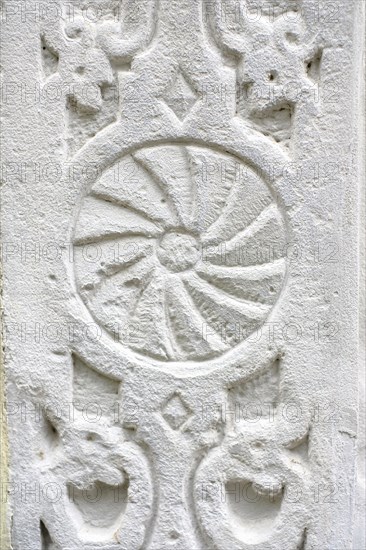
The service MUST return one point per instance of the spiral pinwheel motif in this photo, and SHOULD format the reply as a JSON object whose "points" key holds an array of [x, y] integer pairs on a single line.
{"points": [[179, 251]]}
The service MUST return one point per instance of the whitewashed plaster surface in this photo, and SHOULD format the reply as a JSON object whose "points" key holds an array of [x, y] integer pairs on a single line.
{"points": [[180, 249]]}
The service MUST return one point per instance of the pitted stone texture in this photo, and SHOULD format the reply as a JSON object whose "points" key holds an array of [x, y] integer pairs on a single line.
{"points": [[180, 195]]}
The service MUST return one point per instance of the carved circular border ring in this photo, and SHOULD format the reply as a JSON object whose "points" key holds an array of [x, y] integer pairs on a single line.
{"points": [[207, 162]]}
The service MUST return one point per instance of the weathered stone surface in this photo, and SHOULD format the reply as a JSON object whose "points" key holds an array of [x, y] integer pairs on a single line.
{"points": [[181, 253]]}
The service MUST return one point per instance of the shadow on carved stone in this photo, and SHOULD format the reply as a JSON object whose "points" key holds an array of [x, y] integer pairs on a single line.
{"points": [[313, 66], [300, 449], [50, 440], [49, 59], [46, 541], [52, 435], [302, 545], [252, 515], [98, 510], [276, 122], [91, 389]]}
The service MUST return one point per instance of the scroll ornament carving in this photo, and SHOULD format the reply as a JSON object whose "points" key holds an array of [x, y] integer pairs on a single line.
{"points": [[180, 256], [258, 473], [277, 57], [103, 478], [86, 47]]}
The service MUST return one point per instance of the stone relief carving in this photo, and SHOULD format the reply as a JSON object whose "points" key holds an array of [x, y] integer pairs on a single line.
{"points": [[105, 478], [277, 60], [179, 257], [257, 473], [180, 250], [85, 56]]}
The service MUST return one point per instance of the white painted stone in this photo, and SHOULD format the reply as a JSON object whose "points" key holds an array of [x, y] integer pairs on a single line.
{"points": [[181, 251]]}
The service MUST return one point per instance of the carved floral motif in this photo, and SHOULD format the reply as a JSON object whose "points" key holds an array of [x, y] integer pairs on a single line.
{"points": [[189, 246], [179, 255]]}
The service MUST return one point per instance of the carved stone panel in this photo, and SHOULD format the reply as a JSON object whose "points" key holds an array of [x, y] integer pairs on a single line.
{"points": [[180, 251]]}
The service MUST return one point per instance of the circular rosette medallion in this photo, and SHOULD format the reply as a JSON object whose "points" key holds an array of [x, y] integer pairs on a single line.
{"points": [[179, 251]]}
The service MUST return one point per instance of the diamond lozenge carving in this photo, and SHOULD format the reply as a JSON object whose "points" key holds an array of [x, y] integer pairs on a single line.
{"points": [[176, 412]]}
